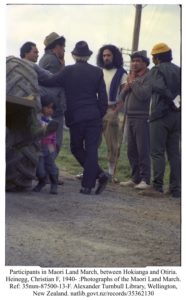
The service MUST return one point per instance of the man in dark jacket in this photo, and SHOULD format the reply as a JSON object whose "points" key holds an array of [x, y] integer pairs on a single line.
{"points": [[165, 120], [137, 93], [86, 105]]}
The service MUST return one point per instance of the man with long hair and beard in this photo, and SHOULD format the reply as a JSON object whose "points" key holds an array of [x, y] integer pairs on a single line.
{"points": [[110, 59]]}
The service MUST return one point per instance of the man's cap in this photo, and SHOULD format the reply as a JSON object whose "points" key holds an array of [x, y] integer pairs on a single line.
{"points": [[51, 38], [82, 49], [160, 48], [142, 54]]}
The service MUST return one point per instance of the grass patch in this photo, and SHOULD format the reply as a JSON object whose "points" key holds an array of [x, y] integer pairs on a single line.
{"points": [[67, 163]]}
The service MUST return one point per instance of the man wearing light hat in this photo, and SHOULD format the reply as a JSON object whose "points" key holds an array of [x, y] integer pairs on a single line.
{"points": [[53, 58], [53, 61], [165, 120], [86, 105]]}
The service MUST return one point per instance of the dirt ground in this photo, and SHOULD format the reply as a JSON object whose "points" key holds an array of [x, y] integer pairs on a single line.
{"points": [[118, 228]]}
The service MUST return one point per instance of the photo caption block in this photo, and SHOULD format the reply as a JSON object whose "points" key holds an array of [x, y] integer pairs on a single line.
{"points": [[93, 282]]}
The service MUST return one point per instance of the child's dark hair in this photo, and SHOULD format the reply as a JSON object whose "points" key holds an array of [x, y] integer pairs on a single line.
{"points": [[46, 101]]}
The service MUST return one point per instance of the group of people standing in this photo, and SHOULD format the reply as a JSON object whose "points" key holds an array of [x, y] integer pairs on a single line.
{"points": [[91, 97]]}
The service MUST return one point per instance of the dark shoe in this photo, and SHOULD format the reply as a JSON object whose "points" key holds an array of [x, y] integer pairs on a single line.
{"points": [[176, 194], [102, 182], [40, 185], [54, 183], [158, 188], [86, 191]]}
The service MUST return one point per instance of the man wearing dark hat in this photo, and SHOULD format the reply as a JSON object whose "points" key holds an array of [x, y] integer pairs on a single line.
{"points": [[165, 120], [136, 94], [86, 105]]}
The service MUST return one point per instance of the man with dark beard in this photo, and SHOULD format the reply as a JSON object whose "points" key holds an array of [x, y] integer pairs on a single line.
{"points": [[110, 60]]}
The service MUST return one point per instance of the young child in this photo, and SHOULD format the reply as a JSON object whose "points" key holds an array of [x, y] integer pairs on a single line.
{"points": [[46, 166]]}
